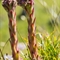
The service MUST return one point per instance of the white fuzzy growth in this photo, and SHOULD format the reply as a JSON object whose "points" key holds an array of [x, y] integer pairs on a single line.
{"points": [[21, 46], [8, 57]]}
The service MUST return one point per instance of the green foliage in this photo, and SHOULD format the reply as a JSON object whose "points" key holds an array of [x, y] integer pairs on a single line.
{"points": [[49, 46]]}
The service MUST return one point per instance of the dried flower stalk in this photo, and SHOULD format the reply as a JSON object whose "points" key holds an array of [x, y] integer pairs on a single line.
{"points": [[28, 5], [10, 6]]}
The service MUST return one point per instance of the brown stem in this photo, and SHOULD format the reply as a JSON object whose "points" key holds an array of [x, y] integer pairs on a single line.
{"points": [[13, 34], [31, 33], [28, 5], [10, 6]]}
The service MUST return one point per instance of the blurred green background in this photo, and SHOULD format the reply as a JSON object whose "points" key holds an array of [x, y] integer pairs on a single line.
{"points": [[43, 15], [42, 19]]}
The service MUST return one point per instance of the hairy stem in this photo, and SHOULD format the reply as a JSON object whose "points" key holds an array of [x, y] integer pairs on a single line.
{"points": [[10, 6], [28, 5], [13, 34]]}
